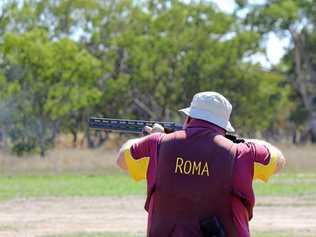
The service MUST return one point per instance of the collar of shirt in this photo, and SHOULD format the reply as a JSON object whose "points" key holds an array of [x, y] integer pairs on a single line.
{"points": [[198, 123]]}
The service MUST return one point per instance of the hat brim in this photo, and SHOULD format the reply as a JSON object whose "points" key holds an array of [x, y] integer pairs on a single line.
{"points": [[207, 116]]}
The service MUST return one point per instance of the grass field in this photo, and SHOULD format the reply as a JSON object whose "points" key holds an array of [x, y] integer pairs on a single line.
{"points": [[301, 185], [73, 174], [68, 186], [286, 184], [128, 235]]}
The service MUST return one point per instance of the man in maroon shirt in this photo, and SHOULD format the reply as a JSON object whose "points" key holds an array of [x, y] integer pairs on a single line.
{"points": [[197, 173]]}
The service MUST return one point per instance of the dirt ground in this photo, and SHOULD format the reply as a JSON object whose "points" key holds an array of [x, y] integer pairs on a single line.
{"points": [[47, 216]]}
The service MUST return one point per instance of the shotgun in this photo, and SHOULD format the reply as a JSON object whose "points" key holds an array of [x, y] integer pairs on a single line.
{"points": [[129, 126], [137, 126]]}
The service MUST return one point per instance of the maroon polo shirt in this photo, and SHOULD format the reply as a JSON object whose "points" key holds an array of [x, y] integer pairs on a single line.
{"points": [[247, 153]]}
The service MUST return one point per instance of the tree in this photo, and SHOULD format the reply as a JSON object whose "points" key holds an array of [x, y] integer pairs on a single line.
{"points": [[51, 80], [293, 19], [174, 51], [133, 59]]}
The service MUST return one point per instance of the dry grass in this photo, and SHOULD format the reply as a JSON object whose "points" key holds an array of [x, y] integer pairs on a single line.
{"points": [[60, 161], [102, 161], [300, 158]]}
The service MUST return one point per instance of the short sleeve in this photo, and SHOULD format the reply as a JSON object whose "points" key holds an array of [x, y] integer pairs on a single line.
{"points": [[254, 152], [261, 153], [265, 162], [144, 147], [258, 152], [137, 157]]}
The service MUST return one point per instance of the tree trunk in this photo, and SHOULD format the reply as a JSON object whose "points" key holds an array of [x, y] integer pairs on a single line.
{"points": [[1, 138], [89, 140], [300, 81], [87, 133], [294, 136], [41, 136], [313, 129], [42, 152], [74, 138], [302, 63], [42, 146]]}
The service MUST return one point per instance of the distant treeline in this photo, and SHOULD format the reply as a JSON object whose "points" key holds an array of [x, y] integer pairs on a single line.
{"points": [[65, 60]]}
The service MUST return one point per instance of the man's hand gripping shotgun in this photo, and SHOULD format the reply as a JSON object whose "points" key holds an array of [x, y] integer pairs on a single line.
{"points": [[137, 126]]}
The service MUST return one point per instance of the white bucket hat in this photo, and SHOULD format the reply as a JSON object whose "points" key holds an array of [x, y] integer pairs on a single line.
{"points": [[212, 107]]}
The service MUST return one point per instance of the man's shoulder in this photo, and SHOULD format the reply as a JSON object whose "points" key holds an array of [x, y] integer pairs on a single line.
{"points": [[253, 152], [151, 139], [174, 135], [154, 136]]}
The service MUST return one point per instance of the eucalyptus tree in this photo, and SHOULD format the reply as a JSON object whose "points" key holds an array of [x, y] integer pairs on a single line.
{"points": [[62, 61], [296, 21], [176, 49]]}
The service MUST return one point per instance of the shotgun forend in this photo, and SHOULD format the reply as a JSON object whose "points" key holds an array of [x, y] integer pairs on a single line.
{"points": [[129, 126]]}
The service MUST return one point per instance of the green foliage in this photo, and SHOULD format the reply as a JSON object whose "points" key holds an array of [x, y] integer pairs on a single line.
{"points": [[50, 80], [129, 59], [294, 20], [73, 84]]}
